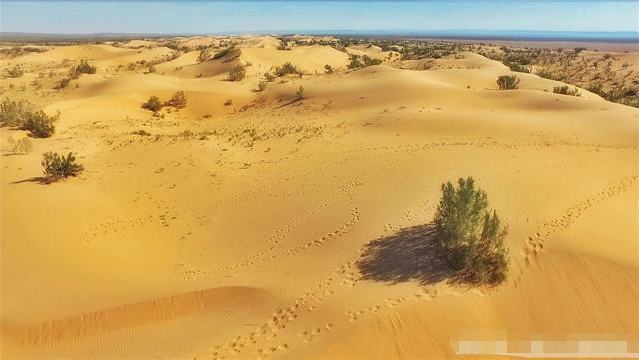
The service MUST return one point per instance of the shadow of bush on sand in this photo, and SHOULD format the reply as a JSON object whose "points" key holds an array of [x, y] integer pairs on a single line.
{"points": [[411, 254]]}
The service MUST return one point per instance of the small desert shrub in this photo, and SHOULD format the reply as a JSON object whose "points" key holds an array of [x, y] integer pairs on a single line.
{"points": [[39, 124], [178, 100], [507, 82], [300, 93], [261, 86], [63, 83], [565, 90], [269, 77], [151, 69], [85, 68], [287, 68], [237, 73], [15, 72], [328, 69], [204, 56], [13, 113], [471, 236], [20, 146], [154, 104], [58, 166]]}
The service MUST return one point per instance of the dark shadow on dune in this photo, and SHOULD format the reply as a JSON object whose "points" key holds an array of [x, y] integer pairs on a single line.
{"points": [[412, 254], [38, 179]]}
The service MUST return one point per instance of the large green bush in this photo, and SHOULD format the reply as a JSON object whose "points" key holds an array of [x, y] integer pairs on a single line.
{"points": [[471, 236]]}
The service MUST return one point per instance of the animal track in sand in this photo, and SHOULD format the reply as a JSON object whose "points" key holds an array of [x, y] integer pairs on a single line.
{"points": [[560, 165], [267, 333], [534, 244]]}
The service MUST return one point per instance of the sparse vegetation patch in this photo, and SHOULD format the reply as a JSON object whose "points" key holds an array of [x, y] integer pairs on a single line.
{"points": [[154, 104], [508, 82], [566, 90], [58, 166]]}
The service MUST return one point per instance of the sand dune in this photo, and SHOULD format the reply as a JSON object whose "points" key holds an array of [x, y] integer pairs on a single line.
{"points": [[258, 224]]}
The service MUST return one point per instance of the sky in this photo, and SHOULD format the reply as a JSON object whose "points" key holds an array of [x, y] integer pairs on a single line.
{"points": [[212, 17]]}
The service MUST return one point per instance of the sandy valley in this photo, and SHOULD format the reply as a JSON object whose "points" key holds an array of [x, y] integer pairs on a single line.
{"points": [[281, 217]]}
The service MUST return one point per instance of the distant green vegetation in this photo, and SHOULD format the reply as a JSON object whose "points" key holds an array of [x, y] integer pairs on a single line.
{"points": [[238, 73], [362, 61], [566, 90]]}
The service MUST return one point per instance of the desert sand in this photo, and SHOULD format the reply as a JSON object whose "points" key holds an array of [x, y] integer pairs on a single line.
{"points": [[237, 227]]}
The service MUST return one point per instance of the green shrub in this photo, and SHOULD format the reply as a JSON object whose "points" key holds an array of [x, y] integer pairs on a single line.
{"points": [[178, 100], [154, 104], [507, 82], [222, 53], [286, 68], [269, 77], [15, 72], [237, 73], [362, 61], [85, 68], [204, 56], [261, 86], [300, 93], [368, 61], [471, 236], [355, 63], [565, 90], [58, 166], [13, 113], [39, 124]]}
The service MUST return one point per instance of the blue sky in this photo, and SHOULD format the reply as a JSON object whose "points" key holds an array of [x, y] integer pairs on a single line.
{"points": [[78, 17]]}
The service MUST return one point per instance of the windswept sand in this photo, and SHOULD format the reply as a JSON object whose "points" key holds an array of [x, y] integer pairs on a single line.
{"points": [[239, 230]]}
